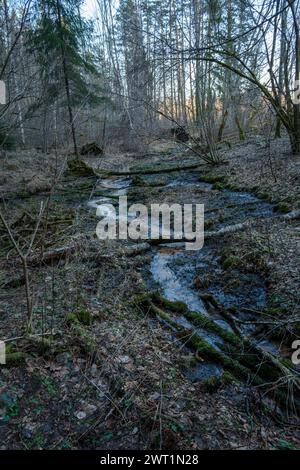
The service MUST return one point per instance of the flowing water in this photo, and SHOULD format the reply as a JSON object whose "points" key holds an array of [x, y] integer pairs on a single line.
{"points": [[173, 269]]}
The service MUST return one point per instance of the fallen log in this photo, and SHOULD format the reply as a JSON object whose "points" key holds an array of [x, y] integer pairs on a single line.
{"points": [[136, 249], [229, 229], [65, 251], [52, 255], [78, 167], [291, 215], [149, 170], [212, 234], [238, 354]]}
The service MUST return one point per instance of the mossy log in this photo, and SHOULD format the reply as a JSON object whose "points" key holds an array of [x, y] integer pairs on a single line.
{"points": [[78, 167], [151, 170], [14, 359], [201, 346], [239, 355]]}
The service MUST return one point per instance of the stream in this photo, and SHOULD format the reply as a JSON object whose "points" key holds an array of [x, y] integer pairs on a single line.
{"points": [[173, 270]]}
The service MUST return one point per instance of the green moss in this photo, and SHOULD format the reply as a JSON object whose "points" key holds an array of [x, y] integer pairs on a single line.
{"points": [[207, 351], [209, 298], [78, 167], [219, 186], [204, 349], [167, 151], [264, 196], [174, 306], [213, 179], [212, 384], [203, 321], [72, 318], [163, 315], [229, 262], [14, 359], [232, 187], [85, 340], [219, 182], [82, 316], [282, 207], [225, 253], [208, 223], [251, 359], [239, 357], [196, 318], [138, 181], [252, 368], [227, 378], [145, 302]]}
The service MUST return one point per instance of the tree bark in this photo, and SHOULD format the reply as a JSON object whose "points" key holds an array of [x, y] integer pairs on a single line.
{"points": [[66, 79]]}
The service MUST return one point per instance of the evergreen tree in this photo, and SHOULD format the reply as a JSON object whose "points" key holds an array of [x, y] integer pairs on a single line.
{"points": [[59, 39]]}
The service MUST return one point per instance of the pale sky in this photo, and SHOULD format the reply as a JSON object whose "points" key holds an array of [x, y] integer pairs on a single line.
{"points": [[89, 8]]}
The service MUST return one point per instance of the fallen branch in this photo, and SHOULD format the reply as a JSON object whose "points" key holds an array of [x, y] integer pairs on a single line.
{"points": [[137, 249], [53, 255], [149, 170], [216, 233], [60, 253], [291, 215]]}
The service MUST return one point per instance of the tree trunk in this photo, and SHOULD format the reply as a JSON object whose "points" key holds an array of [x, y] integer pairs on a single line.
{"points": [[295, 137], [240, 128], [222, 125], [66, 79]]}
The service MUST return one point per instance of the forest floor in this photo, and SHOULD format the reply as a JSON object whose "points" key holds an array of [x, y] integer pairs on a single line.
{"points": [[110, 376]]}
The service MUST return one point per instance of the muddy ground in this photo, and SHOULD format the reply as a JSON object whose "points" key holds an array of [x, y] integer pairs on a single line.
{"points": [[100, 371]]}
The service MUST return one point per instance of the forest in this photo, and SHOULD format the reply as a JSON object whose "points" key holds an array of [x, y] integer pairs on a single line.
{"points": [[149, 227]]}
